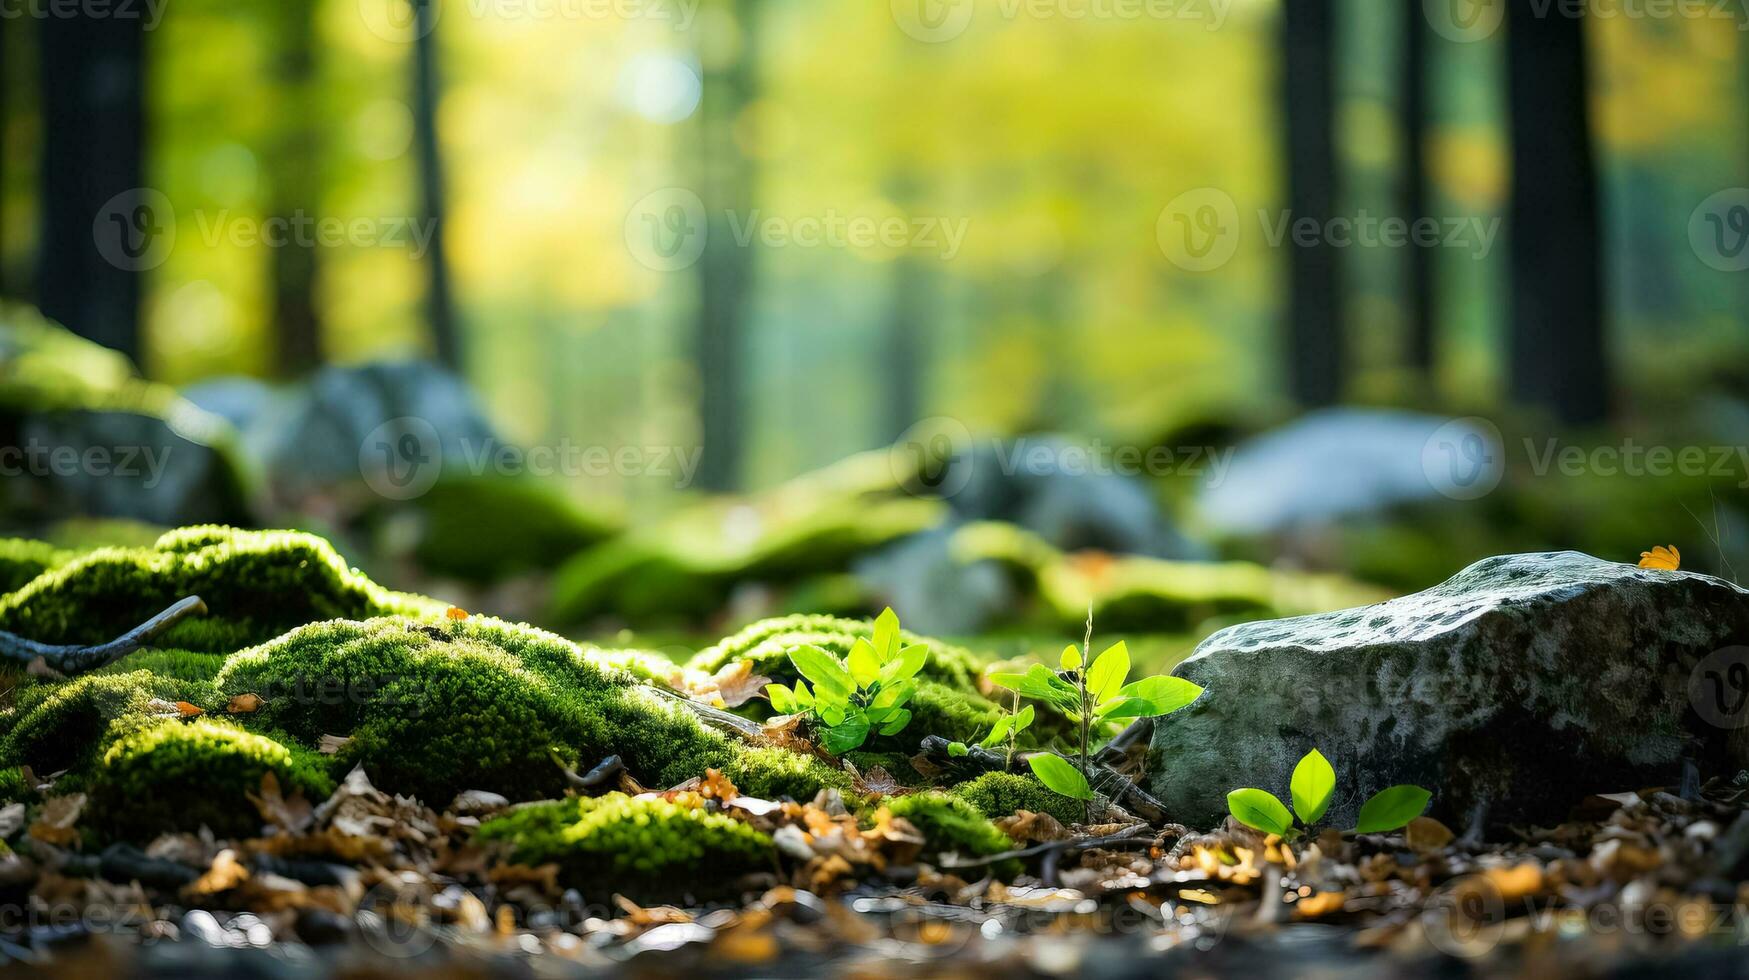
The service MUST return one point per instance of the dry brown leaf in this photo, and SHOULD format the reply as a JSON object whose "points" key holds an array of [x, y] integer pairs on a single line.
{"points": [[187, 710], [1319, 904], [1028, 827], [1425, 835], [54, 822], [225, 874], [292, 816], [244, 704], [332, 744], [878, 782], [733, 685]]}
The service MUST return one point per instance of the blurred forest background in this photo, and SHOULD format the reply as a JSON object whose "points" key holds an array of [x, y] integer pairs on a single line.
{"points": [[1038, 156]]}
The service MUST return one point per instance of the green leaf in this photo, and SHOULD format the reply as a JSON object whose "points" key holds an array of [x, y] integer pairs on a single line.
{"points": [[896, 724], [846, 736], [804, 697], [833, 713], [892, 697], [865, 666], [1165, 692], [1105, 678], [1071, 658], [906, 665], [1009, 680], [1125, 707], [783, 700], [998, 732], [1313, 783], [1391, 808], [957, 749], [886, 634], [1023, 719], [1260, 811], [831, 681], [1060, 776]]}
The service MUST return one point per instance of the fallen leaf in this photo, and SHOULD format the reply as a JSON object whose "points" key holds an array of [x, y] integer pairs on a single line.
{"points": [[54, 822], [1424, 835], [332, 744], [225, 874], [1319, 904], [244, 704], [292, 816], [456, 612], [1028, 827], [187, 710], [1664, 557], [731, 686]]}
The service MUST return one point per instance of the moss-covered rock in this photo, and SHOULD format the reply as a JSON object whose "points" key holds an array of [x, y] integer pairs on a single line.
{"points": [[767, 644], [485, 529], [617, 841], [66, 725], [177, 774], [257, 585], [1001, 794]]}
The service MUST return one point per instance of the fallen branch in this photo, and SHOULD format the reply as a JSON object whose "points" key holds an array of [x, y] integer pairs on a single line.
{"points": [[716, 717], [1129, 836], [68, 661], [1121, 789]]}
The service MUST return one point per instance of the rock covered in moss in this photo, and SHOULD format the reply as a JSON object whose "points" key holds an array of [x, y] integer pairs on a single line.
{"points": [[1002, 794], [1524, 682], [257, 585], [616, 840], [57, 726], [22, 559]]}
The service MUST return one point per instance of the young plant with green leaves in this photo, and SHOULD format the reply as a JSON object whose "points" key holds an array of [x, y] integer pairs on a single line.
{"points": [[1311, 787], [864, 692], [1095, 699], [1006, 729]]}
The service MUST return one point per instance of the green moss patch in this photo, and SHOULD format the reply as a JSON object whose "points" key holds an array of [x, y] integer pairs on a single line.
{"points": [[256, 584], [950, 825], [615, 839], [1002, 794], [22, 560]]}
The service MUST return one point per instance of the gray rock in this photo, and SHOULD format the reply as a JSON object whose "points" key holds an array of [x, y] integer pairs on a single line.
{"points": [[1522, 683]]}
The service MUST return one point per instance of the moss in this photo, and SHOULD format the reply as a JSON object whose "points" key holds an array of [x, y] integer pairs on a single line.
{"points": [[489, 529], [767, 643], [22, 559], [615, 840], [13, 787], [257, 584], [64, 725], [1001, 794], [173, 775], [950, 825]]}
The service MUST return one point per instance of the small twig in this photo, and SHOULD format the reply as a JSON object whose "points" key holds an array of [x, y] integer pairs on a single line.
{"points": [[68, 661], [717, 718], [1115, 750], [604, 772]]}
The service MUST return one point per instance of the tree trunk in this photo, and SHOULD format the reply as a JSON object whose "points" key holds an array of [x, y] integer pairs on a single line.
{"points": [[296, 177], [1557, 347], [99, 231], [1314, 348], [1418, 305], [725, 269], [440, 306], [906, 312]]}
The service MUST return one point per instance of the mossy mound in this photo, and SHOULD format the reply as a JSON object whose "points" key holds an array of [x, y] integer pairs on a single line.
{"points": [[22, 560], [256, 584], [618, 840], [1002, 794], [179, 774], [950, 825], [485, 529], [66, 725]]}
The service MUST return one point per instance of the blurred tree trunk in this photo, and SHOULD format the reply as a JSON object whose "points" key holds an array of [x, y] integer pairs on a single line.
{"points": [[439, 302], [94, 245], [1557, 344], [1315, 350], [296, 169], [1418, 305], [725, 270]]}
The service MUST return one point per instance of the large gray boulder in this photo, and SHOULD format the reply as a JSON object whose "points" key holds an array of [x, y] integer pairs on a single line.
{"points": [[1521, 684]]}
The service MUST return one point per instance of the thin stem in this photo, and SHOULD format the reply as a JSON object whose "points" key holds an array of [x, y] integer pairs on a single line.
{"points": [[1086, 708]]}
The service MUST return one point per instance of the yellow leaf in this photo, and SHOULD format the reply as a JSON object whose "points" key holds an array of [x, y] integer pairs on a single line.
{"points": [[456, 612], [244, 704], [189, 710], [1662, 556]]}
